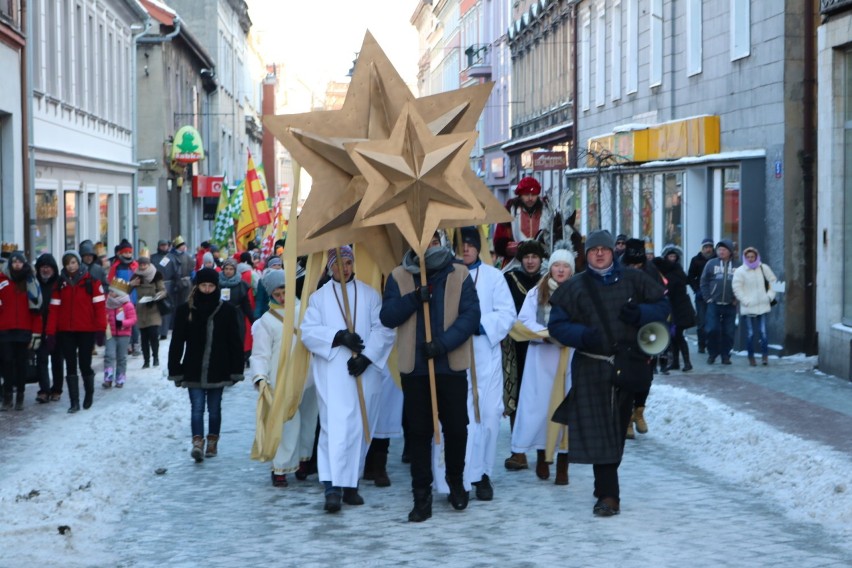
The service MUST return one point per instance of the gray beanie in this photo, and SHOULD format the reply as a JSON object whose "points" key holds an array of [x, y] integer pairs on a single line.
{"points": [[272, 279], [600, 238], [73, 253]]}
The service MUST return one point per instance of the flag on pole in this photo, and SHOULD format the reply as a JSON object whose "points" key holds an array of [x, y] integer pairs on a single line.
{"points": [[246, 220], [258, 201], [223, 225]]}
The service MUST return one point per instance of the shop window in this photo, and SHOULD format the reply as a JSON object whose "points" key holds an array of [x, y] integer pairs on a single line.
{"points": [[103, 218], [124, 219], [72, 221], [46, 213], [646, 206], [731, 206], [673, 210], [626, 206]]}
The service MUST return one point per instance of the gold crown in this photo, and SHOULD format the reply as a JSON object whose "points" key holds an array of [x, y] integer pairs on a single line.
{"points": [[9, 247], [120, 284]]}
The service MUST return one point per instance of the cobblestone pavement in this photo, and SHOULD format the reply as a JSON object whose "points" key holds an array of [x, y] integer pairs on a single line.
{"points": [[225, 512]]}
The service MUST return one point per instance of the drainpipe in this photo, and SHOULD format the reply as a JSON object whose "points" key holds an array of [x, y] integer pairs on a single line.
{"points": [[134, 126], [572, 158], [807, 159], [28, 159]]}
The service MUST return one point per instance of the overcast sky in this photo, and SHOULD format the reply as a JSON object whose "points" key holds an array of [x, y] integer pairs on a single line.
{"points": [[318, 41]]}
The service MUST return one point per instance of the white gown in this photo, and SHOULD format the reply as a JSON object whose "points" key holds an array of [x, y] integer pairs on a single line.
{"points": [[297, 434], [531, 419], [342, 448], [498, 316]]}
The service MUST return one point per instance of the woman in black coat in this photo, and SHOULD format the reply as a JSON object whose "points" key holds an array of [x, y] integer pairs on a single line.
{"points": [[206, 369], [683, 314]]}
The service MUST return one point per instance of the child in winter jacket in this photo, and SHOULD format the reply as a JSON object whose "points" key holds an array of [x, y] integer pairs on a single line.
{"points": [[121, 317]]}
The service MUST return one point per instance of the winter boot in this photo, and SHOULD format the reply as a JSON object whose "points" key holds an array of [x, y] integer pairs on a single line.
{"points": [[631, 434], [7, 400], [639, 418], [765, 360], [19, 399], [73, 393], [422, 506], [109, 375], [752, 361], [89, 389], [674, 362], [369, 474], [380, 470], [687, 364], [212, 446], [516, 462], [542, 468], [197, 449], [561, 469], [352, 497], [302, 472], [484, 489], [146, 364], [458, 496], [279, 479], [119, 382], [156, 361]]}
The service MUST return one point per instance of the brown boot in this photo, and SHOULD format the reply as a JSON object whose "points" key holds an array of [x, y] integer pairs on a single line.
{"points": [[752, 361], [516, 462], [198, 448], [542, 468], [639, 418], [212, 446], [561, 469]]}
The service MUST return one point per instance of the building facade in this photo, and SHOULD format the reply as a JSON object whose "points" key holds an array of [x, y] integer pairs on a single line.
{"points": [[694, 122], [834, 224], [80, 52], [13, 125]]}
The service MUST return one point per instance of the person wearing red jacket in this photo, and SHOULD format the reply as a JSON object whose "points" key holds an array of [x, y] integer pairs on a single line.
{"points": [[20, 325], [78, 316]]}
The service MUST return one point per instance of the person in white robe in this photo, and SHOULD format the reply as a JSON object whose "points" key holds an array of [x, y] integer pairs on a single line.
{"points": [[497, 317], [297, 434], [338, 357], [538, 395]]}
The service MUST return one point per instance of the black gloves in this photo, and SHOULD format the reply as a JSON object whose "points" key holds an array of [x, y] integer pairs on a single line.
{"points": [[433, 349], [423, 294], [591, 339], [630, 313], [358, 364], [348, 339]]}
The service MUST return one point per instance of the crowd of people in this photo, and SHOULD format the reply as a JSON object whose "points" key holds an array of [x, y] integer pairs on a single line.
{"points": [[538, 342]]}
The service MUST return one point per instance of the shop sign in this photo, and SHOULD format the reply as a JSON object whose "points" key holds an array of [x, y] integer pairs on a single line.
{"points": [[187, 147], [549, 161], [207, 186]]}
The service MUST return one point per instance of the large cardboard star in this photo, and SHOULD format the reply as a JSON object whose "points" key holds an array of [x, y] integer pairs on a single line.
{"points": [[415, 179]]}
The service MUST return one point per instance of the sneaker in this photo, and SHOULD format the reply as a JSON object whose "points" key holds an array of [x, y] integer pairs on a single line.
{"points": [[119, 382], [484, 489], [279, 480]]}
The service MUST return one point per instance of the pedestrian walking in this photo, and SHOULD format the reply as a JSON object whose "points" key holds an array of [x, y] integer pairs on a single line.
{"points": [[178, 275], [717, 290], [205, 356], [151, 290], [20, 326], [121, 317], [237, 292], [49, 379], [297, 435], [80, 323], [599, 312], [753, 287], [537, 388], [693, 276], [345, 343], [124, 267], [683, 315], [450, 296], [161, 262]]}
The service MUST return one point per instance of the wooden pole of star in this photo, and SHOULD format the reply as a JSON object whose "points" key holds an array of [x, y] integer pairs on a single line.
{"points": [[427, 324], [350, 325]]}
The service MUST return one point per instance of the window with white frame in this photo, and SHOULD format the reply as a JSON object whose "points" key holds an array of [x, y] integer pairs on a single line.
{"points": [[694, 37], [655, 67], [586, 61], [631, 52], [600, 54], [615, 64], [740, 29]]}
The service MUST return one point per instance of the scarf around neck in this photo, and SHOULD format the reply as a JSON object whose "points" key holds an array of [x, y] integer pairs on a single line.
{"points": [[115, 302], [225, 282], [147, 274], [435, 259]]}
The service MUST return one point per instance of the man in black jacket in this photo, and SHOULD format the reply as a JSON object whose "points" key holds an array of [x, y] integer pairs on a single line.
{"points": [[693, 278]]}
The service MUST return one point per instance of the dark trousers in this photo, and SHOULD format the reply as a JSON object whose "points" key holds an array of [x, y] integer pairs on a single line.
{"points": [[77, 346], [150, 341], [56, 369], [14, 354], [678, 347], [700, 319], [452, 412], [720, 327], [606, 474]]}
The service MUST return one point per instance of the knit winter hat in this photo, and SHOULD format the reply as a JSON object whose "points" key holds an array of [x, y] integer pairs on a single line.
{"points": [[274, 261], [562, 255], [706, 241], [528, 186], [206, 257], [273, 279], [345, 252], [530, 246], [207, 275], [470, 235], [600, 238], [727, 244], [68, 253], [229, 262]]}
